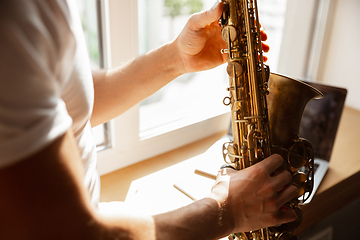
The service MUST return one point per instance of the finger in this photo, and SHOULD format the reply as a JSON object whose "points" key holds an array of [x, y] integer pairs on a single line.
{"points": [[265, 47], [288, 193], [263, 35], [283, 215], [264, 58], [286, 215], [202, 19], [271, 163], [281, 179]]}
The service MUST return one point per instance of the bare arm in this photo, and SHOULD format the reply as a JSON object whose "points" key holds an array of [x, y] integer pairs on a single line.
{"points": [[43, 196], [197, 48], [118, 89]]}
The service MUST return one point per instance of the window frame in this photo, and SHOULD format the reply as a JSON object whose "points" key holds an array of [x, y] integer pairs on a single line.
{"points": [[302, 45], [126, 146]]}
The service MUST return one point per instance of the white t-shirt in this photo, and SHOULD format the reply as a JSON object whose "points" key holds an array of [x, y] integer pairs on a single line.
{"points": [[46, 86]]}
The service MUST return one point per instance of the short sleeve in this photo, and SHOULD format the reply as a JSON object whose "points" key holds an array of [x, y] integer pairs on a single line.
{"points": [[36, 47]]}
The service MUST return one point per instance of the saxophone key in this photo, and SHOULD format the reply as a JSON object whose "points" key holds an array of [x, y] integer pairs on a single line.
{"points": [[234, 69], [229, 33], [223, 51], [299, 180]]}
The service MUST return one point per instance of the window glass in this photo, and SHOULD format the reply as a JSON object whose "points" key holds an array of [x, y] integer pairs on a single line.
{"points": [[89, 22], [194, 94], [190, 95], [87, 10], [272, 18]]}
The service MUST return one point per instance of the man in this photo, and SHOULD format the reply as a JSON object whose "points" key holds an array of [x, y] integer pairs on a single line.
{"points": [[48, 99]]}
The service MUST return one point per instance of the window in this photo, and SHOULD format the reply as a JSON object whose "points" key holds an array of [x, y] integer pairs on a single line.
{"points": [[132, 27], [129, 144], [272, 17], [189, 98], [304, 31], [89, 20]]}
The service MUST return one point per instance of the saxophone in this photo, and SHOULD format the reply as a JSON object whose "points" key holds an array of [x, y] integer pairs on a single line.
{"points": [[266, 110]]}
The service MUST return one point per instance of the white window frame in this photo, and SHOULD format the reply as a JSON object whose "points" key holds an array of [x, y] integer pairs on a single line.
{"points": [[302, 45], [120, 33], [120, 25]]}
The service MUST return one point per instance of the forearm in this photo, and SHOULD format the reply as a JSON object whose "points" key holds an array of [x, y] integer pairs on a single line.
{"points": [[201, 220], [118, 89]]}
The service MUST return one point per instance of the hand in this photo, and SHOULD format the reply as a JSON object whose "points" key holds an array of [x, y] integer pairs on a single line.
{"points": [[265, 47], [200, 42], [254, 197]]}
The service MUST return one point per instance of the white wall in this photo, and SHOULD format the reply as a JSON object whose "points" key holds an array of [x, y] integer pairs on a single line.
{"points": [[341, 57]]}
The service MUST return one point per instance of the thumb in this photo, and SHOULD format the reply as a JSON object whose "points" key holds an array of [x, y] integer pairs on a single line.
{"points": [[209, 16]]}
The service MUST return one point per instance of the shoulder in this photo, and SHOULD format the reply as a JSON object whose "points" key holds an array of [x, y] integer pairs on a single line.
{"points": [[37, 47], [35, 33]]}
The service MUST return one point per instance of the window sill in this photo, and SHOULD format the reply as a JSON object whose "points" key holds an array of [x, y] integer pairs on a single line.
{"points": [[190, 119], [115, 185], [114, 158]]}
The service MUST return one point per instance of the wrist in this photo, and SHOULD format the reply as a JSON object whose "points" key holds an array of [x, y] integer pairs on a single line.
{"points": [[175, 61], [199, 220], [225, 220], [221, 224]]}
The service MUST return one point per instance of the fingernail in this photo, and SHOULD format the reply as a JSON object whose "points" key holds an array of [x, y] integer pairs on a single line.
{"points": [[215, 5]]}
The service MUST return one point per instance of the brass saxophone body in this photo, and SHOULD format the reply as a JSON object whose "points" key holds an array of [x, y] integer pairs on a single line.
{"points": [[266, 111]]}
